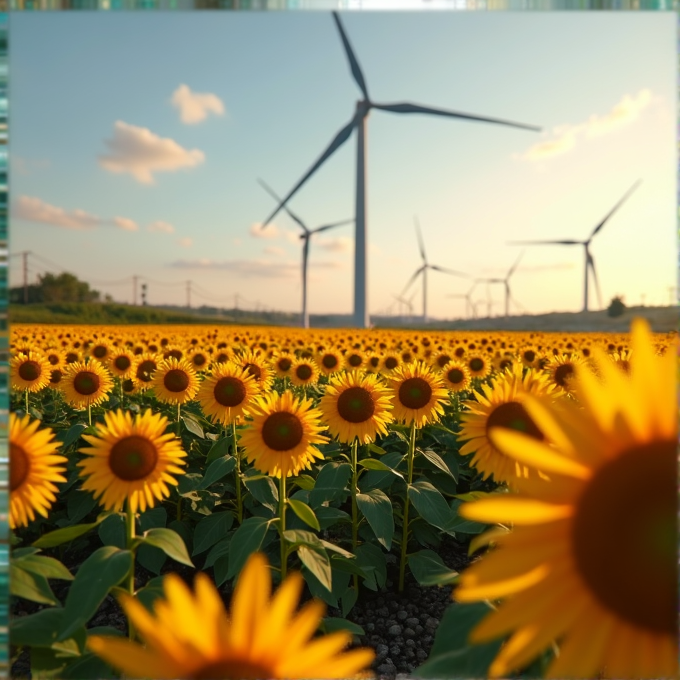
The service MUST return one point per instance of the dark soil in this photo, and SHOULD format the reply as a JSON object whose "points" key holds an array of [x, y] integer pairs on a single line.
{"points": [[399, 626]]}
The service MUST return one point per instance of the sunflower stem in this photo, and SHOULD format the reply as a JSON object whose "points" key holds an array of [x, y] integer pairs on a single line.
{"points": [[179, 509], [355, 513], [89, 414], [26, 393], [282, 524], [237, 455], [404, 534], [130, 531], [179, 424]]}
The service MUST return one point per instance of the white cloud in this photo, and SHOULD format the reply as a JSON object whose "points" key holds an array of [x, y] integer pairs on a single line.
{"points": [[27, 166], [194, 107], [564, 137], [292, 236], [161, 226], [271, 231], [125, 224], [186, 242], [341, 244], [34, 209], [274, 250], [252, 268], [140, 152]]}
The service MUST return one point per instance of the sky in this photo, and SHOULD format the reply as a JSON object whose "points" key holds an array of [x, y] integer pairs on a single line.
{"points": [[137, 140]]}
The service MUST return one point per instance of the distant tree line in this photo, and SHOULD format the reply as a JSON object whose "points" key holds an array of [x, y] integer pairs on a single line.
{"points": [[62, 287]]}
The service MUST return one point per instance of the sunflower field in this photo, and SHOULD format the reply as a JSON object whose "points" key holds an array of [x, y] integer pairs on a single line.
{"points": [[317, 462]]}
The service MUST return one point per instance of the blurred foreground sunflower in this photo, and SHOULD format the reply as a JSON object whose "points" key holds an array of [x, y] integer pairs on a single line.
{"points": [[34, 467], [592, 559], [191, 636]]}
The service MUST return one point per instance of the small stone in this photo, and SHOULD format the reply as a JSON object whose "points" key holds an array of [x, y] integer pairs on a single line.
{"points": [[421, 655], [394, 606], [412, 622], [432, 623], [386, 669], [383, 612], [370, 627], [381, 652], [402, 615], [419, 629], [409, 633], [410, 643], [395, 651], [394, 630]]}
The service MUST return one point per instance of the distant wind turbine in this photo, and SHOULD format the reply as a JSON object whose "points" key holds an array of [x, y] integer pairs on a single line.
{"points": [[423, 271], [305, 236], [358, 121], [506, 283], [589, 261], [407, 303], [470, 306]]}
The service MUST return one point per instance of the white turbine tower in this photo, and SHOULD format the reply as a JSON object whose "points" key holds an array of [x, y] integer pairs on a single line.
{"points": [[506, 283], [305, 236], [423, 271], [358, 121], [589, 261], [470, 306]]}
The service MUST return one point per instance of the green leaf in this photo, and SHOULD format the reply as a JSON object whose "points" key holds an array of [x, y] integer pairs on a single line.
{"points": [[73, 435], [452, 655], [87, 666], [342, 563], [372, 560], [336, 548], [219, 449], [297, 537], [377, 509], [462, 525], [170, 542], [318, 563], [54, 538], [101, 571], [151, 592], [112, 531], [192, 425], [329, 516], [210, 530], [79, 504], [151, 558], [216, 470], [263, 490], [220, 549], [153, 518], [438, 461], [37, 630], [247, 539], [331, 624], [305, 482], [305, 513], [376, 449], [430, 504], [348, 600], [373, 464], [30, 586], [429, 569], [49, 567], [330, 483], [22, 552], [472, 495]]}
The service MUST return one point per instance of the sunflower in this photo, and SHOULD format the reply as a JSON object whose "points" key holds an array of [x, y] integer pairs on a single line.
{"points": [[304, 372], [417, 394], [391, 360], [330, 361], [121, 362], [503, 361], [282, 362], [131, 459], [56, 374], [257, 365], [621, 359], [100, 351], [29, 372], [191, 635], [33, 469], [561, 371], [478, 365], [438, 360], [356, 405], [590, 562], [501, 405], [279, 441], [54, 357], [227, 392], [145, 366], [85, 384], [529, 356], [456, 375], [175, 382]]}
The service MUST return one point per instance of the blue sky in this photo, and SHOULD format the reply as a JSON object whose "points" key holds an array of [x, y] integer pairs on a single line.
{"points": [[137, 140]]}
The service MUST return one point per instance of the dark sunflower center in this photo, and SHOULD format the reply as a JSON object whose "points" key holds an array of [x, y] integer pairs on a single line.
{"points": [[284, 363], [455, 375], [53, 359], [99, 351], [330, 361], [128, 385], [199, 360], [529, 355], [626, 551], [122, 363], [624, 365], [476, 364], [442, 360], [232, 669], [374, 361], [229, 391], [563, 374], [415, 393], [355, 405], [133, 458], [354, 360], [459, 352], [55, 376], [513, 416], [86, 383], [304, 372], [391, 363], [221, 358], [176, 380], [29, 370], [145, 369], [505, 363], [282, 431], [175, 354], [254, 370], [407, 356], [19, 466]]}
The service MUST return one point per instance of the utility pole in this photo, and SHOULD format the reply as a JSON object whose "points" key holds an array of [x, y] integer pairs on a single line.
{"points": [[144, 294], [236, 301], [25, 259], [189, 294], [134, 290]]}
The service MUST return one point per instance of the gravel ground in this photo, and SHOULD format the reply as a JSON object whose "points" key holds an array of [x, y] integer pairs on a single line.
{"points": [[400, 627]]}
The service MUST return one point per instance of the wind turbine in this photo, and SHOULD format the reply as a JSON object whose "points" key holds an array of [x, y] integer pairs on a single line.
{"points": [[407, 303], [358, 121], [305, 236], [589, 261], [423, 270], [506, 283], [470, 306]]}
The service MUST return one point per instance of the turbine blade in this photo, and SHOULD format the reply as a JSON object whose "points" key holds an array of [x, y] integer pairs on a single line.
{"points": [[421, 245], [411, 280], [407, 107], [591, 264], [353, 62], [335, 144], [614, 209], [514, 266], [447, 271], [331, 226], [271, 192], [532, 243]]}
